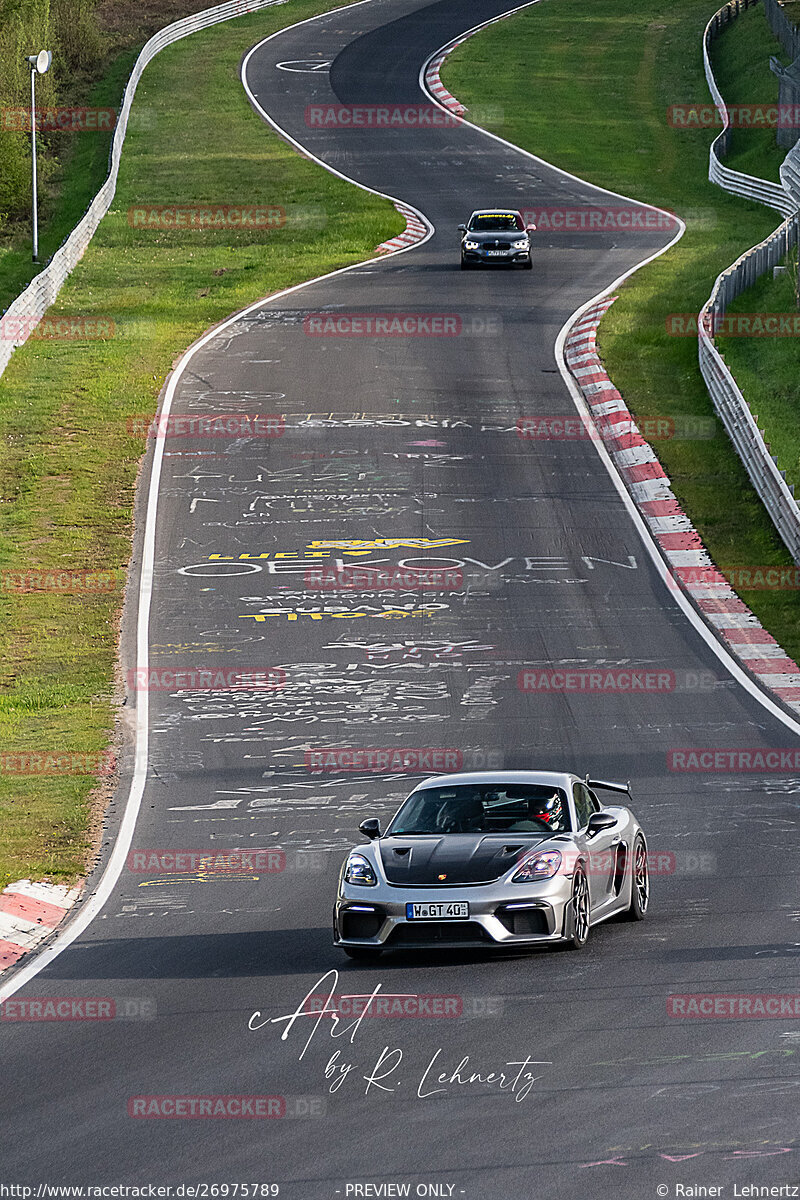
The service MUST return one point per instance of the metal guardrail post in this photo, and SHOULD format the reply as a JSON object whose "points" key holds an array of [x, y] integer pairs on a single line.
{"points": [[729, 403], [24, 313]]}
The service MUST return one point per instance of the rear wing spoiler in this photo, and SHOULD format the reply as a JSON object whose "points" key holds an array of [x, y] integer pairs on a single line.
{"points": [[625, 788]]}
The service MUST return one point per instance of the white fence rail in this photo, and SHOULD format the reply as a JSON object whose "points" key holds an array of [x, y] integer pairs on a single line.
{"points": [[790, 174], [787, 33], [24, 313], [749, 186], [729, 403], [731, 406]]}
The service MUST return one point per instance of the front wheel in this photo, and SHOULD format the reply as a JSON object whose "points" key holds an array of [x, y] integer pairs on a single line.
{"points": [[640, 882], [579, 918], [529, 265]]}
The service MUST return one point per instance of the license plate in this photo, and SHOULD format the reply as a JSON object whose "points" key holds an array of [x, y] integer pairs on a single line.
{"points": [[454, 910], [496, 253]]}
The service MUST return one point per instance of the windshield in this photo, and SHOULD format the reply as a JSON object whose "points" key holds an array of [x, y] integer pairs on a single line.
{"points": [[483, 808], [488, 222]]}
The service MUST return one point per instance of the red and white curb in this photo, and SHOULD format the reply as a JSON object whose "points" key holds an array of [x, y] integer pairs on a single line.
{"points": [[415, 231], [28, 913], [432, 68], [434, 83], [734, 624]]}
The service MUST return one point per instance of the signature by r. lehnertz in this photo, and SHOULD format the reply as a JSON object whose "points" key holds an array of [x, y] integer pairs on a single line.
{"points": [[389, 1070]]}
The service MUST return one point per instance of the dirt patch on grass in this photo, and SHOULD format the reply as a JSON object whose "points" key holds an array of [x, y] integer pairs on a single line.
{"points": [[127, 25]]}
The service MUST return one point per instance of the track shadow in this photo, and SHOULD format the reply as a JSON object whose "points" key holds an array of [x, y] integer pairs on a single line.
{"points": [[249, 955], [227, 955]]}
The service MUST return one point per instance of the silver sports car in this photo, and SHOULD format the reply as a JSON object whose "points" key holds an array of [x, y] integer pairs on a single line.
{"points": [[496, 858]]}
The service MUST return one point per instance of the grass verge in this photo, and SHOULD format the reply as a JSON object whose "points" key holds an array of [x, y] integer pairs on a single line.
{"points": [[72, 166], [740, 57], [71, 182], [588, 89], [766, 369], [68, 464]]}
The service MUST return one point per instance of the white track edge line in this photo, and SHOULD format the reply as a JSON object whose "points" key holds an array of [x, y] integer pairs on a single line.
{"points": [[676, 592], [107, 883], [451, 45], [96, 902], [302, 149]]}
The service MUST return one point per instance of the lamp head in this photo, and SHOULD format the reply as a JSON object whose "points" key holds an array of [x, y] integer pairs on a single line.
{"points": [[40, 62]]}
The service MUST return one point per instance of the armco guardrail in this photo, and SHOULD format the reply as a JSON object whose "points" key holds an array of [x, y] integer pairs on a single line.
{"points": [[749, 186], [729, 403], [790, 174], [24, 313], [787, 34]]}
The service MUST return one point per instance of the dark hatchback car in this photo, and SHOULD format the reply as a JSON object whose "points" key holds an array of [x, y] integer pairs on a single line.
{"points": [[493, 236]]}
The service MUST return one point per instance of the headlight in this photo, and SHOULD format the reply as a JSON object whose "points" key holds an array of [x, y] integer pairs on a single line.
{"points": [[522, 244], [471, 245], [538, 866], [360, 870]]}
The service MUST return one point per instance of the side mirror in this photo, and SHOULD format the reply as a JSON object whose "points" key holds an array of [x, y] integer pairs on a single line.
{"points": [[530, 228], [598, 822], [371, 828], [462, 229]]}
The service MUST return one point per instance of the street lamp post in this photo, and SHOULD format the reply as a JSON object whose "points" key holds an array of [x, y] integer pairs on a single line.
{"points": [[38, 63]]}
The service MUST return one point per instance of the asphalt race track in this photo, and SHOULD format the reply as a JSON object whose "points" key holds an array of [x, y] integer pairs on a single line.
{"points": [[413, 438]]}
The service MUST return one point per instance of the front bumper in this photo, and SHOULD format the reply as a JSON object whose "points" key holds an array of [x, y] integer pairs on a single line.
{"points": [[482, 256], [499, 915]]}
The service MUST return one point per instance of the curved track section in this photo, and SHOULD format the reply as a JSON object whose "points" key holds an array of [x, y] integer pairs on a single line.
{"points": [[681, 545], [400, 448]]}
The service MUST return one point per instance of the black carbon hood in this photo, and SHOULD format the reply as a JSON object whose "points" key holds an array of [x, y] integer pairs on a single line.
{"points": [[459, 857]]}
